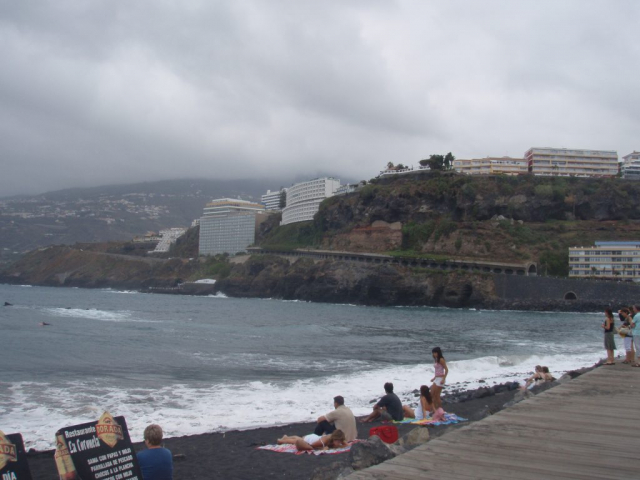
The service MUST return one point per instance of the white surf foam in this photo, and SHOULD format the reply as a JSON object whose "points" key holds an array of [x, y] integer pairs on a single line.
{"points": [[39, 409], [95, 314], [218, 295]]}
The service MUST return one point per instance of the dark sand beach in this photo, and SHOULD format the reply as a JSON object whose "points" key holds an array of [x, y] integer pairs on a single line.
{"points": [[233, 455]]}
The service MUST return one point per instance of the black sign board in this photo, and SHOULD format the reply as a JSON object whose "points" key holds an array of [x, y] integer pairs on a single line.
{"points": [[13, 459], [99, 450]]}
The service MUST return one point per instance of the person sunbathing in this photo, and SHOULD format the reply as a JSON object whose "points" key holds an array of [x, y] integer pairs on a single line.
{"points": [[425, 405], [315, 442]]}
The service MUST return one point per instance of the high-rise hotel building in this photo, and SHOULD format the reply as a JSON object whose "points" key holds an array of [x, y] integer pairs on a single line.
{"points": [[563, 162], [228, 226], [609, 260], [304, 199]]}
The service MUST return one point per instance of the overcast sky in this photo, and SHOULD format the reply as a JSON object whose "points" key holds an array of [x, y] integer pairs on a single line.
{"points": [[103, 92]]}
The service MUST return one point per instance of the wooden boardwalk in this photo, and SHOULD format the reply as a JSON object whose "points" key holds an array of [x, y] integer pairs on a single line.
{"points": [[586, 428]]}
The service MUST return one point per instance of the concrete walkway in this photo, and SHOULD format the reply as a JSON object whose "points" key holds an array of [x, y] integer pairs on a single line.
{"points": [[586, 428]]}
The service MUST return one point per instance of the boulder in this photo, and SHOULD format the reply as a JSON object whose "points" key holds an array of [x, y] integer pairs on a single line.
{"points": [[484, 392], [369, 453], [518, 397], [397, 449], [333, 471], [415, 437]]}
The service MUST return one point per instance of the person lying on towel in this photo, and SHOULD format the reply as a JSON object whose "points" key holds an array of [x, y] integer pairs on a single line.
{"points": [[315, 442]]}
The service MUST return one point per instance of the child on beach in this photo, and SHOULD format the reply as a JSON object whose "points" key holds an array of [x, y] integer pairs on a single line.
{"points": [[315, 442], [424, 408], [440, 377]]}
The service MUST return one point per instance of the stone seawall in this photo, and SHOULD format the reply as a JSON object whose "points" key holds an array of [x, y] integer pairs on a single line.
{"points": [[563, 293]]}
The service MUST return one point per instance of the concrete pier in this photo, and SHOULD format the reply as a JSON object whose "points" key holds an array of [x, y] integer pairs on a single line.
{"points": [[586, 428]]}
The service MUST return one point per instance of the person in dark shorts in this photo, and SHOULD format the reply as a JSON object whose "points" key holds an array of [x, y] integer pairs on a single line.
{"points": [[388, 407]]}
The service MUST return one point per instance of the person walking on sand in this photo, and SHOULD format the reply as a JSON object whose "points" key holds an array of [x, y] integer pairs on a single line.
{"points": [[315, 442], [156, 462], [424, 408], [388, 407], [440, 377], [609, 342], [341, 418]]}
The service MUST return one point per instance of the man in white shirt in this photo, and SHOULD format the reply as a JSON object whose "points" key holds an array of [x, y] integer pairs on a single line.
{"points": [[339, 419]]}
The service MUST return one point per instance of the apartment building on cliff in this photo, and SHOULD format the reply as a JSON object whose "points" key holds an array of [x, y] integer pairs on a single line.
{"points": [[606, 260], [492, 166], [631, 166], [228, 226], [304, 199], [563, 162]]}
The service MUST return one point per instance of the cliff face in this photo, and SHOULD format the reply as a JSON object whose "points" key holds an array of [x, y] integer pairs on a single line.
{"points": [[74, 267], [511, 219], [345, 282], [428, 196]]}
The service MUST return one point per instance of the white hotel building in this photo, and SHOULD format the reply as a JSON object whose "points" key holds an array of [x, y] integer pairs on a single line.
{"points": [[304, 199], [610, 260], [563, 162], [228, 226], [271, 200]]}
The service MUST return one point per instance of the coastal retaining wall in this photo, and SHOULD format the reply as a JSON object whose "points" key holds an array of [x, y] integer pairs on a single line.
{"points": [[549, 289]]}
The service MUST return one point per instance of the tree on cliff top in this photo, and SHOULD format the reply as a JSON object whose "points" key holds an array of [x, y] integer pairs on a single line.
{"points": [[439, 162]]}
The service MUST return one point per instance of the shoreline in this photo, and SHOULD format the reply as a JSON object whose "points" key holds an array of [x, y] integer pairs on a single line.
{"points": [[212, 290], [233, 454]]}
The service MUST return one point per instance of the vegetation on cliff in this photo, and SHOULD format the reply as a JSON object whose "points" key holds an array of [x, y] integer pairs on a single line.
{"points": [[495, 218]]}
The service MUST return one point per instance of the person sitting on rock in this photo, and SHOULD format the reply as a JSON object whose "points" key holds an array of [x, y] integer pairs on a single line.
{"points": [[546, 375], [536, 378], [315, 442], [339, 419], [156, 462], [388, 407]]}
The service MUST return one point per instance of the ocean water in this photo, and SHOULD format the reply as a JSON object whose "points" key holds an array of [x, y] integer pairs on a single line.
{"points": [[203, 364]]}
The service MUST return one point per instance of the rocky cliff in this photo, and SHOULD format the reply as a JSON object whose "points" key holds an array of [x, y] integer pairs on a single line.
{"points": [[495, 218], [76, 267], [346, 282]]}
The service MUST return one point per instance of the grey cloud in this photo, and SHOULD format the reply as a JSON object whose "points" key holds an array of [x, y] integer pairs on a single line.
{"points": [[104, 92]]}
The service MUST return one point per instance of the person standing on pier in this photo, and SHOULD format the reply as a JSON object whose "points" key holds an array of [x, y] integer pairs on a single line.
{"points": [[609, 342], [635, 328]]}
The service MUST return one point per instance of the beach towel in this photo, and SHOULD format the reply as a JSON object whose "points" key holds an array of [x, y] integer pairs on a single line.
{"points": [[288, 448], [449, 418]]}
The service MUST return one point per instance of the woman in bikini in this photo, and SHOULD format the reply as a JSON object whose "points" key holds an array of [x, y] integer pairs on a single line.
{"points": [[609, 342], [425, 406], [316, 442], [440, 377]]}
